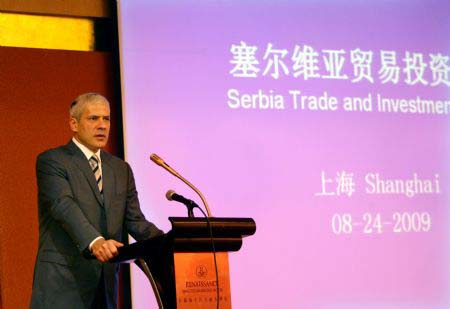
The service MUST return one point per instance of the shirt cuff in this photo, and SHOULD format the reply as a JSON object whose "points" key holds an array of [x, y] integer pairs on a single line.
{"points": [[92, 242]]}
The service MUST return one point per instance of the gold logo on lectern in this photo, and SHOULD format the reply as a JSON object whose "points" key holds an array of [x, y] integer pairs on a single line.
{"points": [[201, 271]]}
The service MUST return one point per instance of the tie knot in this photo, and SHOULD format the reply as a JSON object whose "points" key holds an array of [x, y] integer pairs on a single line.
{"points": [[94, 157], [93, 161]]}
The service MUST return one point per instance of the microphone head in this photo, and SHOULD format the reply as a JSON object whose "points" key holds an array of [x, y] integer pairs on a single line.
{"points": [[155, 158], [169, 195]]}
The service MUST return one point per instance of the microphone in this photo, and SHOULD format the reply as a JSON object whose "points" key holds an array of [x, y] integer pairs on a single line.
{"points": [[159, 161], [155, 158], [173, 196], [190, 204]]}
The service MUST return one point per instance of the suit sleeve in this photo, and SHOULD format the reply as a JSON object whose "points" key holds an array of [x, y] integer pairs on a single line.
{"points": [[135, 221], [56, 198]]}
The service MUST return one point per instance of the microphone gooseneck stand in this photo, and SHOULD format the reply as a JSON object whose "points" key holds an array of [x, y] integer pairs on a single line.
{"points": [[159, 161]]}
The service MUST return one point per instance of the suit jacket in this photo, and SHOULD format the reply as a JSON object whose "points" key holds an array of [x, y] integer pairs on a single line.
{"points": [[72, 213]]}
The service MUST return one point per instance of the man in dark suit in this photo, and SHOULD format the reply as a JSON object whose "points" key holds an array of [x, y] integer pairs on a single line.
{"points": [[85, 198]]}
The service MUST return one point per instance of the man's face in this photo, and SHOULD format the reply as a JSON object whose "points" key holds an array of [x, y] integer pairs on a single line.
{"points": [[92, 130]]}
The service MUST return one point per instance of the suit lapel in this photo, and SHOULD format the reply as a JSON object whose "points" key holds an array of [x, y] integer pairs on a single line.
{"points": [[83, 164], [108, 181]]}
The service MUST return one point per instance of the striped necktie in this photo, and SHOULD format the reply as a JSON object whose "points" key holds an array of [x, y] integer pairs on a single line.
{"points": [[93, 161]]}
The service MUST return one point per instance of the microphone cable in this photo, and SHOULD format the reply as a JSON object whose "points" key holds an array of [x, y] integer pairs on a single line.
{"points": [[213, 247]]}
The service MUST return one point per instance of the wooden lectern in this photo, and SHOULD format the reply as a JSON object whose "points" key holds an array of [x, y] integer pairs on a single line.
{"points": [[180, 265]]}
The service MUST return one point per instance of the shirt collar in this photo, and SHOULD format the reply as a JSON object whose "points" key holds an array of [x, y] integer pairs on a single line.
{"points": [[86, 151]]}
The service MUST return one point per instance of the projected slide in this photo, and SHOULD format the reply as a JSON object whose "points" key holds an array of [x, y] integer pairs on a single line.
{"points": [[328, 122]]}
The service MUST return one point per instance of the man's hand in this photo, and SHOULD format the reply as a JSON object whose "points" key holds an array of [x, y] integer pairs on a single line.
{"points": [[104, 250]]}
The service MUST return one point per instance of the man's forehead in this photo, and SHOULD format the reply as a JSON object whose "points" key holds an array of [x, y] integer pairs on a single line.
{"points": [[96, 107]]}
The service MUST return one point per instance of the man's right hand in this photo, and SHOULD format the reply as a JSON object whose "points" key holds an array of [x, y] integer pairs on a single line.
{"points": [[104, 250]]}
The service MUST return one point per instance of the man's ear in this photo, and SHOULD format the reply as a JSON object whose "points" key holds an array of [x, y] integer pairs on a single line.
{"points": [[73, 123]]}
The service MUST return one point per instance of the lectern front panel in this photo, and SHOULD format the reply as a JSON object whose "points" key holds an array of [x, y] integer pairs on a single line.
{"points": [[196, 284]]}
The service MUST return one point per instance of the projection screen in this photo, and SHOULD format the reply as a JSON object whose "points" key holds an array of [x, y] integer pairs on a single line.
{"points": [[325, 121]]}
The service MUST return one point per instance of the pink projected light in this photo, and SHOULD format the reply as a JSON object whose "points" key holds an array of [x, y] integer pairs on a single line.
{"points": [[327, 122]]}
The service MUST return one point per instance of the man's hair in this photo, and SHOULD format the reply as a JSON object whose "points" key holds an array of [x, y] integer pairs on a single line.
{"points": [[77, 106]]}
